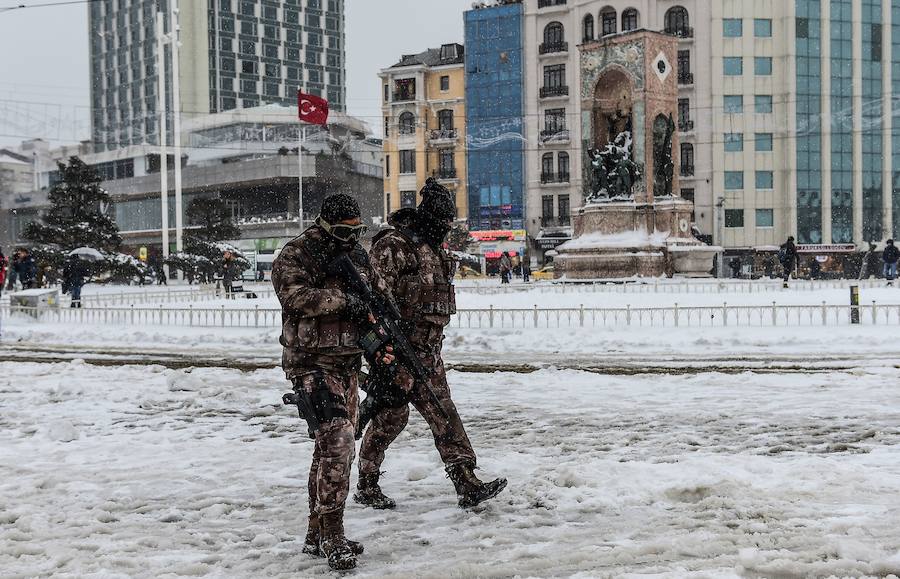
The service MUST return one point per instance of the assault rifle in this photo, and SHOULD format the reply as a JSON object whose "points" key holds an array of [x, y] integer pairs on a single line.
{"points": [[375, 338]]}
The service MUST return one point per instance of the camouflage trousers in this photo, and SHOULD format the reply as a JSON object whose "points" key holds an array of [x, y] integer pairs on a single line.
{"points": [[449, 434], [335, 447]]}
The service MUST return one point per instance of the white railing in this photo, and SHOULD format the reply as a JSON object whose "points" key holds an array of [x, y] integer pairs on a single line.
{"points": [[665, 287], [200, 293], [773, 315]]}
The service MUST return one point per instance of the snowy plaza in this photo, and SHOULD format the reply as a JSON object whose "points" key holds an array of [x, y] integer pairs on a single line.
{"points": [[164, 451]]}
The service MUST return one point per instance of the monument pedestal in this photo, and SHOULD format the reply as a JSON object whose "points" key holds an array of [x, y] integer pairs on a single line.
{"points": [[622, 238]]}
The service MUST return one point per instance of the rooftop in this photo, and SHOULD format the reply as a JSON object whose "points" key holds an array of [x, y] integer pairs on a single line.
{"points": [[446, 54]]}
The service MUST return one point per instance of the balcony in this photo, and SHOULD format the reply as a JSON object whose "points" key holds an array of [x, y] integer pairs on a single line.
{"points": [[404, 96], [554, 136], [554, 178], [445, 174], [549, 3], [554, 91], [682, 32], [686, 78], [687, 170], [443, 136], [553, 47], [685, 126], [561, 221]]}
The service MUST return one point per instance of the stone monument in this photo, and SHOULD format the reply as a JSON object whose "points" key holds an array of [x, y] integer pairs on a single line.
{"points": [[633, 222]]}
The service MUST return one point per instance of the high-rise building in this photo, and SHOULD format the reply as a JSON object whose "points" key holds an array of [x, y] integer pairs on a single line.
{"points": [[495, 93], [234, 54], [424, 126]]}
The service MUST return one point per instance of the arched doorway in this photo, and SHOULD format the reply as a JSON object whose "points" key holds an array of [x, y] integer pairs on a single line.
{"points": [[613, 106]]}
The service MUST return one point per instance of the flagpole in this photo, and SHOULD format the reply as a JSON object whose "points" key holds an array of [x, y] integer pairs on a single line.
{"points": [[300, 161]]}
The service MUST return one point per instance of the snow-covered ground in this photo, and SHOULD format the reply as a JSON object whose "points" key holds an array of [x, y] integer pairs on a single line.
{"points": [[147, 472]]}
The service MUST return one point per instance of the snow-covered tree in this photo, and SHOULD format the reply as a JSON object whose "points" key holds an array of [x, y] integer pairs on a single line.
{"points": [[78, 212], [204, 247]]}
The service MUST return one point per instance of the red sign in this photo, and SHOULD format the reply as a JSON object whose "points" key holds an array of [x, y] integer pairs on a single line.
{"points": [[312, 109], [515, 235]]}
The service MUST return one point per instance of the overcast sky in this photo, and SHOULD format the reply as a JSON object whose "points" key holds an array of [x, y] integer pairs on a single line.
{"points": [[44, 84]]}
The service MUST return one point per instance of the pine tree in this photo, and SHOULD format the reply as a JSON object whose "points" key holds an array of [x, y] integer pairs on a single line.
{"points": [[78, 213], [459, 238], [204, 247]]}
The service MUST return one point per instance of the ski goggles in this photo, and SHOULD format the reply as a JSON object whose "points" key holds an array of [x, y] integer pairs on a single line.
{"points": [[341, 232]]}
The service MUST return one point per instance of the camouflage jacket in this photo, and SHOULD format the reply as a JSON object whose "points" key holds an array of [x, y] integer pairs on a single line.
{"points": [[313, 332], [421, 282]]}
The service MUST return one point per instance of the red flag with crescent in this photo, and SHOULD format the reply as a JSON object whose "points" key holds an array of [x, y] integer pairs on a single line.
{"points": [[312, 109]]}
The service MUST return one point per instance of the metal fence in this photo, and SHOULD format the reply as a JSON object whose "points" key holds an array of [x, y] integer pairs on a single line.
{"points": [[724, 315], [694, 286]]}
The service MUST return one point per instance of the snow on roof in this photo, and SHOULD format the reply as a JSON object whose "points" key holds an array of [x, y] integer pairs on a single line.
{"points": [[626, 239]]}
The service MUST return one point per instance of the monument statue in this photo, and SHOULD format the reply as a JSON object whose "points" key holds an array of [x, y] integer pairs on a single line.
{"points": [[663, 130], [614, 170]]}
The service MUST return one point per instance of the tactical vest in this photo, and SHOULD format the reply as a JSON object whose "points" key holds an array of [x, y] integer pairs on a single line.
{"points": [[427, 290]]}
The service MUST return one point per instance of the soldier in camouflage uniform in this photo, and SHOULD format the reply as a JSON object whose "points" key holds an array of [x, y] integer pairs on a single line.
{"points": [[320, 326], [412, 262]]}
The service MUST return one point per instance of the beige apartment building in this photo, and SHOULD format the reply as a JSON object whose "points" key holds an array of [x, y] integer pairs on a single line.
{"points": [[424, 126], [786, 113]]}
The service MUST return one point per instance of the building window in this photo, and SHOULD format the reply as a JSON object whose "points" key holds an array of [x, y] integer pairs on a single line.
{"points": [[732, 27], [248, 86], [563, 165], [687, 160], [765, 180], [734, 218], [387, 168], [678, 22], [554, 34], [387, 127], [763, 103], [587, 28], [629, 20], [248, 67], [734, 180], [407, 162], [405, 89], [547, 167], [764, 142], [407, 199], [548, 3], [387, 93], [608, 22], [387, 201], [407, 124], [762, 28], [445, 83], [555, 80], [554, 121], [734, 65], [802, 28], [445, 120], [765, 218], [734, 104], [685, 123], [734, 142], [762, 65], [685, 76], [547, 208], [564, 210]]}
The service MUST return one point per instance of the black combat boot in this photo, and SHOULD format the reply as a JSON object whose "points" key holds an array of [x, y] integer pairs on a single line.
{"points": [[334, 544], [369, 493], [313, 543], [470, 490]]}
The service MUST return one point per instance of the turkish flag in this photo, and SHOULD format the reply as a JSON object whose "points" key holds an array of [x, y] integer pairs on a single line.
{"points": [[312, 109]]}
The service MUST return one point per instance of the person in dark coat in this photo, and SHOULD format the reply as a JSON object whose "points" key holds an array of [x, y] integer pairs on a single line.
{"points": [[25, 269], [890, 257], [787, 255], [229, 273], [13, 271], [815, 268], [865, 269], [74, 274], [4, 264], [161, 278], [735, 265]]}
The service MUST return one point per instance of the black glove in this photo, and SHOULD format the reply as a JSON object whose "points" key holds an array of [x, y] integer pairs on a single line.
{"points": [[355, 309]]}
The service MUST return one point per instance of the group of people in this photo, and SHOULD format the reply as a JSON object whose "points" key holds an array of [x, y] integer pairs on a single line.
{"points": [[323, 320], [19, 269]]}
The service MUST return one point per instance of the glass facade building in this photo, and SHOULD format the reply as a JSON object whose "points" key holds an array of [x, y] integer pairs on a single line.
{"points": [[841, 121], [495, 117], [258, 52], [872, 123], [809, 129]]}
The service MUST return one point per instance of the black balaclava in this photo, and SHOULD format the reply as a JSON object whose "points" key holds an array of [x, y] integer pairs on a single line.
{"points": [[435, 213]]}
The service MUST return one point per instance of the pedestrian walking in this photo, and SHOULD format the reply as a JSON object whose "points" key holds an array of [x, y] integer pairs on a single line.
{"points": [[505, 268], [890, 257], [13, 271], [25, 268], [74, 274], [229, 273], [787, 255], [412, 261], [4, 266], [322, 358], [867, 261]]}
